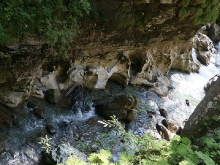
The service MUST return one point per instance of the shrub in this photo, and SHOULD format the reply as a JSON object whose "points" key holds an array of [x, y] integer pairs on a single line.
{"points": [[55, 22], [148, 150], [201, 11]]}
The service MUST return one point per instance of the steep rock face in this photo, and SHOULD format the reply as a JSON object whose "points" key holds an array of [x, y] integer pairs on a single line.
{"points": [[135, 42], [206, 115], [18, 69]]}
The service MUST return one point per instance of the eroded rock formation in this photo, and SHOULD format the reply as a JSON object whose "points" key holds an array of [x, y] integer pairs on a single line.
{"points": [[204, 48], [133, 42]]}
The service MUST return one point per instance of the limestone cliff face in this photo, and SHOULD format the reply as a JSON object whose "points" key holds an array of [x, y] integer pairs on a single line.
{"points": [[132, 42]]}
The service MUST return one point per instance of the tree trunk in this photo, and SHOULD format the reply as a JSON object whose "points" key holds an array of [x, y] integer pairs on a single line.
{"points": [[206, 116]]}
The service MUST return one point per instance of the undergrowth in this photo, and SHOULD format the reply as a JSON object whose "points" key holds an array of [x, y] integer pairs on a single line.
{"points": [[147, 150]]}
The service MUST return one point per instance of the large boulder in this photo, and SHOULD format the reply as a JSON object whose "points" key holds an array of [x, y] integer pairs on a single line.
{"points": [[168, 123], [122, 107], [163, 131]]}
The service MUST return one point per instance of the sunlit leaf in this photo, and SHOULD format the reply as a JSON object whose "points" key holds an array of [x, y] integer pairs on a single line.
{"points": [[186, 162]]}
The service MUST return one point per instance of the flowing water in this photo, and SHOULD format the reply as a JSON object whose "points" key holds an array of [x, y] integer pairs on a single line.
{"points": [[19, 144]]}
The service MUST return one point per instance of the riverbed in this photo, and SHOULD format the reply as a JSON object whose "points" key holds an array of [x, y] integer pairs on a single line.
{"points": [[79, 125]]}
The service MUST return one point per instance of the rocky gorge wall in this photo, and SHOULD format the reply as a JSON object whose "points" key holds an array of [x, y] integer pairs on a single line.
{"points": [[131, 42]]}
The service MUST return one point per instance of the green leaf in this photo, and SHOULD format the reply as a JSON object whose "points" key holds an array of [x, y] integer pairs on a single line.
{"points": [[186, 162], [74, 161], [125, 158], [209, 142], [176, 137], [207, 160], [192, 158], [185, 140], [183, 149], [162, 162], [159, 145], [102, 157]]}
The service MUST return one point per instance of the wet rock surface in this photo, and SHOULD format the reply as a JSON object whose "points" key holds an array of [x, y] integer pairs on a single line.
{"points": [[50, 128], [53, 95], [122, 107], [31, 105], [77, 126], [7, 118], [39, 112]]}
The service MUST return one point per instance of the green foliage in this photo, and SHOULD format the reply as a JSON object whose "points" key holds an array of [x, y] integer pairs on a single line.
{"points": [[46, 143], [101, 158], [151, 151], [201, 12], [209, 145], [206, 159], [74, 161], [55, 22], [217, 106]]}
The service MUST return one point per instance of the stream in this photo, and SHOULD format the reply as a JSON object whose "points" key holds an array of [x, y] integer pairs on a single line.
{"points": [[79, 126]]}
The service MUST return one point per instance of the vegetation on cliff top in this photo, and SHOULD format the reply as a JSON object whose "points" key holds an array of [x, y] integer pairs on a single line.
{"points": [[57, 22], [53, 21], [200, 12]]}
